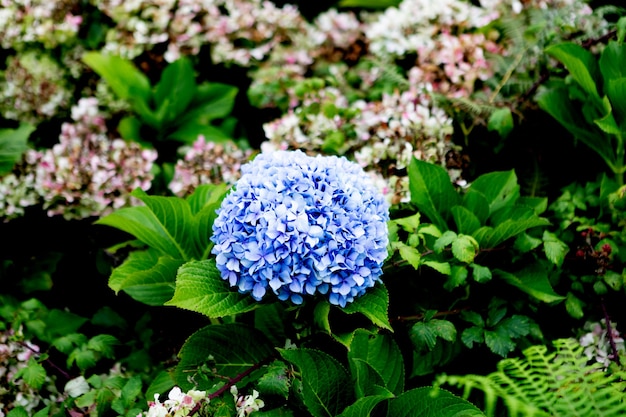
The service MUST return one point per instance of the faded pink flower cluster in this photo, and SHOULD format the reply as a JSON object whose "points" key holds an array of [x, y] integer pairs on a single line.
{"points": [[597, 345], [34, 87], [87, 173], [208, 163], [240, 31], [50, 23], [382, 136]]}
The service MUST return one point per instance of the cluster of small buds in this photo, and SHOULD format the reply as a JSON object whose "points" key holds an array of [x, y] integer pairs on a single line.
{"points": [[208, 163], [33, 88], [246, 404], [50, 23], [86, 173], [597, 342], [598, 258], [178, 404], [14, 392]]}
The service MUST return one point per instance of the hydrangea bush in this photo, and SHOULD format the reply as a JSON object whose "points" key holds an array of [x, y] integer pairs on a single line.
{"points": [[298, 225], [265, 163]]}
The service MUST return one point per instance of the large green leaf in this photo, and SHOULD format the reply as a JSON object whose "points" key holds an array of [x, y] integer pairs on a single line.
{"points": [[382, 353], [432, 191], [374, 305], [326, 387], [200, 288], [532, 280], [225, 350], [212, 101], [147, 276], [580, 63], [13, 143], [500, 188], [476, 202], [363, 407], [612, 61], [126, 81], [466, 221], [509, 222], [175, 90], [143, 224], [616, 92], [431, 402]]}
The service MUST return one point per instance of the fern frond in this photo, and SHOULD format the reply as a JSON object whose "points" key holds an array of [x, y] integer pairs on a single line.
{"points": [[560, 383]]}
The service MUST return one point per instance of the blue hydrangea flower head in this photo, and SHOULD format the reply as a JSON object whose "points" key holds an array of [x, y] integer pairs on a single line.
{"points": [[296, 225]]}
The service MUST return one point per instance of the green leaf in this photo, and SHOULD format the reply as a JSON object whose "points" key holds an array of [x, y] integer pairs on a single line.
{"points": [[533, 280], [33, 374], [574, 306], [200, 288], [457, 277], [367, 380], [364, 406], [130, 129], [499, 342], [466, 221], [465, 248], [175, 90], [431, 402], [275, 380], [154, 231], [20, 411], [410, 223], [501, 120], [525, 242], [473, 317], [432, 191], [212, 101], [409, 254], [616, 92], [473, 335], [509, 222], [480, 273], [326, 387], [612, 61], [500, 188], [441, 267], [13, 144], [476, 203], [424, 334], [163, 382], [83, 357], [381, 352], [580, 63], [146, 276], [429, 362], [190, 131], [515, 326], [320, 316], [374, 305], [226, 350], [446, 239], [126, 81], [104, 344], [554, 248]]}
